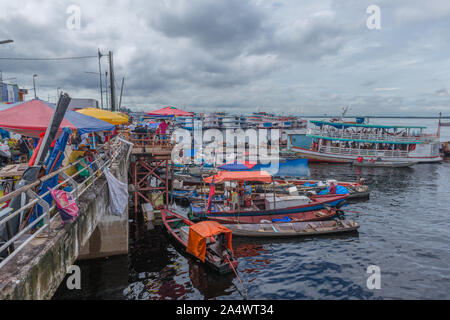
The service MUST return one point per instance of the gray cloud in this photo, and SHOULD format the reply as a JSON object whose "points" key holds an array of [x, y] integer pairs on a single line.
{"points": [[301, 57]]}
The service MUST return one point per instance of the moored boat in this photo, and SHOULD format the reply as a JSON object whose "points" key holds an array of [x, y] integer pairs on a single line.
{"points": [[208, 241], [314, 215], [343, 142], [355, 189], [384, 164], [293, 229], [258, 205]]}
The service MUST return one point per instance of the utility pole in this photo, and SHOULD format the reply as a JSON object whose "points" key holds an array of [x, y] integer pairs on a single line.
{"points": [[34, 85], [106, 92], [121, 90], [112, 82], [100, 74]]}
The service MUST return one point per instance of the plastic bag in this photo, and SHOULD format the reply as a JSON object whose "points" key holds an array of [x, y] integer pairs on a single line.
{"points": [[67, 207], [118, 194]]}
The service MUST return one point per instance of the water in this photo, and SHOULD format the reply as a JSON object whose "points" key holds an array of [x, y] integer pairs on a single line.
{"points": [[404, 231]]}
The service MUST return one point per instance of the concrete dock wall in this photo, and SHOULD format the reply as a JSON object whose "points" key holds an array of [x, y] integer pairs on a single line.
{"points": [[37, 271]]}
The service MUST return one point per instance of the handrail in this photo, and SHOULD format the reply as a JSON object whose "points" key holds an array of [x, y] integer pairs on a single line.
{"points": [[371, 136], [78, 190]]}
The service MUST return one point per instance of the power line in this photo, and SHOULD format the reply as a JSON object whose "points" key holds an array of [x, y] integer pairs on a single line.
{"points": [[49, 59]]}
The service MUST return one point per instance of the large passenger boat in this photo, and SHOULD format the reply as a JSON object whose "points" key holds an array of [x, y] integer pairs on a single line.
{"points": [[344, 142]]}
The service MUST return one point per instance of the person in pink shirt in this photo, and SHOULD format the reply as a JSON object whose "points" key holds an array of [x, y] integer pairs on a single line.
{"points": [[162, 128]]}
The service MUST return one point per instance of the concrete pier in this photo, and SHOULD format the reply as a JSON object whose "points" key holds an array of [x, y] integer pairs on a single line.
{"points": [[37, 271]]}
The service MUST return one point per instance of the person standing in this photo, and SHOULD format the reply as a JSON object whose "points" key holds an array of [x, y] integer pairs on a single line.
{"points": [[162, 128]]}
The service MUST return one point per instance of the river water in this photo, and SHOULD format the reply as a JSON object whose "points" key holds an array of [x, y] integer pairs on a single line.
{"points": [[405, 232]]}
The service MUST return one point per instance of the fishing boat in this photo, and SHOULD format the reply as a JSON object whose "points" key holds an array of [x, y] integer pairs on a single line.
{"points": [[258, 205], [355, 189], [384, 164], [337, 141], [314, 215], [292, 229], [208, 241]]}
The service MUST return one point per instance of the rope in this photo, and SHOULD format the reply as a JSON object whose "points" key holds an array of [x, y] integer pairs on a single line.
{"points": [[235, 272]]}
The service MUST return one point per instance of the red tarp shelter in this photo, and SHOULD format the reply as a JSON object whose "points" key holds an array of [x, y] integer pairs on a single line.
{"points": [[170, 112], [31, 118]]}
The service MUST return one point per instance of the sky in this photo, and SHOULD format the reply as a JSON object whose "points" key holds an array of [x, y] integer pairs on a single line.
{"points": [[296, 57]]}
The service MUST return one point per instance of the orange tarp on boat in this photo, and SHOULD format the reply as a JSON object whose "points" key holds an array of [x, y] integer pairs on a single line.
{"points": [[199, 232], [259, 176]]}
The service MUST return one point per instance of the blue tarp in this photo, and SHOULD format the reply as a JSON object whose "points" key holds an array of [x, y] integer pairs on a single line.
{"points": [[286, 168], [236, 166], [339, 190], [84, 123], [53, 163]]}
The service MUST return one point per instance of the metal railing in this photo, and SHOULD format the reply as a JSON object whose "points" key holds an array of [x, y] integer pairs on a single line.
{"points": [[364, 152], [148, 140], [107, 155], [372, 136]]}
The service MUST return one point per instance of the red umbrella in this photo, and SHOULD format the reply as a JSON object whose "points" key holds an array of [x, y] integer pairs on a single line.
{"points": [[170, 111]]}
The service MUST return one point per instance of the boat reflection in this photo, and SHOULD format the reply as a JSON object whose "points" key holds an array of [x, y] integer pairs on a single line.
{"points": [[210, 284]]}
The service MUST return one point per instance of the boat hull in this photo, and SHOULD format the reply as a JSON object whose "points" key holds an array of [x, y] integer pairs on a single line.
{"points": [[315, 156], [292, 229], [168, 218], [316, 215], [319, 202]]}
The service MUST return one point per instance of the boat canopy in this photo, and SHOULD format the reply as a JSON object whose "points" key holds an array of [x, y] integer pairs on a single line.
{"points": [[341, 125], [199, 232], [256, 176]]}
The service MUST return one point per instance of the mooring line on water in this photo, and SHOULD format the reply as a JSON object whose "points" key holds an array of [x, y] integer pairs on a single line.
{"points": [[245, 296]]}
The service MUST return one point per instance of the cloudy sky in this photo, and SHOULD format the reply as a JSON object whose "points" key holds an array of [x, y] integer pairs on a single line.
{"points": [[304, 57]]}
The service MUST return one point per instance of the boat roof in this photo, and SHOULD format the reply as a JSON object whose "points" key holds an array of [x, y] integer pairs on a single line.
{"points": [[362, 140], [199, 232], [340, 125], [256, 176]]}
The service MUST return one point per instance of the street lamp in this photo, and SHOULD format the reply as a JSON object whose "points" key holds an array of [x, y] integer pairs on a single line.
{"points": [[34, 85], [6, 41]]}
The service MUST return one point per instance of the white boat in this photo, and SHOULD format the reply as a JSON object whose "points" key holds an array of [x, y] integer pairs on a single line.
{"points": [[345, 142]]}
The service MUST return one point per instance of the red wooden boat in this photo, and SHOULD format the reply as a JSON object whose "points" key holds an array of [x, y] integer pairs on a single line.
{"points": [[208, 241], [316, 215]]}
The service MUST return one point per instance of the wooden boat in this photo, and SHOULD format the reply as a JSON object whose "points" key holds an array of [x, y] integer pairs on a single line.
{"points": [[208, 241], [293, 229], [356, 189], [384, 164], [315, 215], [260, 205], [265, 208]]}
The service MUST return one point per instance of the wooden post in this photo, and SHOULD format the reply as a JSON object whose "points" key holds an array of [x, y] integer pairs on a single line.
{"points": [[274, 198], [171, 183]]}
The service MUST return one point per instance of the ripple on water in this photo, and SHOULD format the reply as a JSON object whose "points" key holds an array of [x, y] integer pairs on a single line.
{"points": [[404, 230]]}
